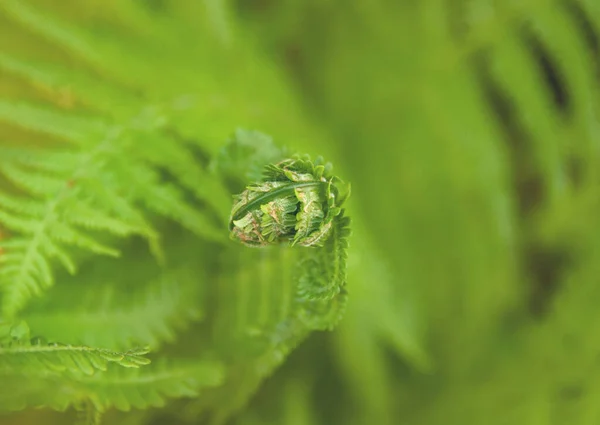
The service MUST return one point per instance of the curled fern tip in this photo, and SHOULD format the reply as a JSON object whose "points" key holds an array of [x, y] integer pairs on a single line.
{"points": [[296, 202]]}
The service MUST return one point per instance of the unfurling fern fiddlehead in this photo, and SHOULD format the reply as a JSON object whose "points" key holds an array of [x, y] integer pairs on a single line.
{"points": [[299, 202]]}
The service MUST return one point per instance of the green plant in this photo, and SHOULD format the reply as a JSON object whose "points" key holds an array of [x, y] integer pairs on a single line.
{"points": [[77, 199], [96, 163], [468, 128]]}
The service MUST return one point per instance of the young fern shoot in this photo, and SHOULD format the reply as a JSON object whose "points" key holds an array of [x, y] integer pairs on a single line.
{"points": [[299, 202]]}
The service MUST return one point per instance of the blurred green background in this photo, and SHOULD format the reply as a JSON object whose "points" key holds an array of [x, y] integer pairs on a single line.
{"points": [[469, 131]]}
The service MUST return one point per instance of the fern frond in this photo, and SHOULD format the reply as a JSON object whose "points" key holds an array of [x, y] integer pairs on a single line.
{"points": [[82, 375], [61, 33], [150, 386], [158, 149], [295, 201], [93, 187], [322, 271], [113, 317], [67, 87], [249, 373], [243, 157], [38, 359], [123, 389], [79, 130], [105, 53], [177, 159], [272, 298], [110, 171], [46, 230], [125, 140]]}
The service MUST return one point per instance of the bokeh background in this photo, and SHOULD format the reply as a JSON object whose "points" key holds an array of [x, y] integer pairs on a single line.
{"points": [[469, 131]]}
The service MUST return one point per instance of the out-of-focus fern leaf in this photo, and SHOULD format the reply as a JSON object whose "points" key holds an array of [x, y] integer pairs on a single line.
{"points": [[261, 319], [64, 34], [470, 131], [153, 386], [257, 324], [479, 127], [112, 388], [116, 146], [143, 128], [40, 357], [270, 300], [70, 88], [95, 186], [243, 157], [198, 101], [112, 316], [20, 356]]}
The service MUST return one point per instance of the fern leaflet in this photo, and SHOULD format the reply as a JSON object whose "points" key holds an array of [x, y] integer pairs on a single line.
{"points": [[115, 316], [125, 389], [18, 355], [119, 388], [88, 188]]}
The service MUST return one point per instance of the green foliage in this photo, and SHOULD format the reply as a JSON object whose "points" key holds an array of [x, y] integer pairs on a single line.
{"points": [[469, 130], [67, 357], [49, 374], [121, 389], [97, 185], [92, 163], [109, 317]]}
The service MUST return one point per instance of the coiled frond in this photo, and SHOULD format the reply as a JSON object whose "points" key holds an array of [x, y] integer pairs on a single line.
{"points": [[296, 201], [105, 149], [272, 298], [300, 202]]}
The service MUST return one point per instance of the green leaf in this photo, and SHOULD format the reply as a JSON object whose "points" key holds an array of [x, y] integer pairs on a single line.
{"points": [[121, 388], [113, 315], [150, 386], [37, 359], [89, 188]]}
